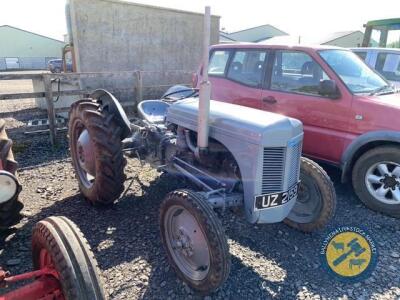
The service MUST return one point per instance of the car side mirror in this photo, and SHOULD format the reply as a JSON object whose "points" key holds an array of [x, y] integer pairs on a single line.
{"points": [[329, 89]]}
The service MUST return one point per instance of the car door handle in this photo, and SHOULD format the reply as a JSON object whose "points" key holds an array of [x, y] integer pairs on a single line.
{"points": [[269, 99]]}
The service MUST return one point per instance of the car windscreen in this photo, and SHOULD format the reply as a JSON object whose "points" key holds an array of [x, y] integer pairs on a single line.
{"points": [[355, 74]]}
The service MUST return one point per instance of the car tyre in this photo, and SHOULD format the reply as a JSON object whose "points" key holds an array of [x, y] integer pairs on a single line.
{"points": [[369, 180]]}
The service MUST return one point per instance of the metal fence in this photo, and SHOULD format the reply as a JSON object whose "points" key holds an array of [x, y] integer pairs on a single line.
{"points": [[136, 90]]}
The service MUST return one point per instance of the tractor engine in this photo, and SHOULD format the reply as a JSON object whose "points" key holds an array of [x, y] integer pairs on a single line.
{"points": [[247, 158], [262, 154]]}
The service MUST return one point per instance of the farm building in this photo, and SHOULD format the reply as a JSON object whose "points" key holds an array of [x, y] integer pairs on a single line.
{"points": [[343, 39], [21, 49], [253, 35], [224, 38]]}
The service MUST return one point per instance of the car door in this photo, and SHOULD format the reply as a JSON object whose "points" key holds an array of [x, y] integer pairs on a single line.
{"points": [[388, 65], [237, 80], [12, 63], [292, 89]]}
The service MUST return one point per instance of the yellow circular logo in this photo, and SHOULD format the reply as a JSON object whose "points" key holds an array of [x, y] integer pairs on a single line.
{"points": [[349, 253]]}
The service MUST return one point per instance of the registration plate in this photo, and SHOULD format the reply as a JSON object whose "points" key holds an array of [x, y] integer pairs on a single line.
{"points": [[276, 199]]}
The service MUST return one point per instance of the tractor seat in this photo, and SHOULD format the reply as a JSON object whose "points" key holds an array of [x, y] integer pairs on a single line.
{"points": [[153, 111]]}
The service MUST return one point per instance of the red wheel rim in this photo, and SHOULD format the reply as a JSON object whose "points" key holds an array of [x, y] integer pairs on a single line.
{"points": [[45, 261]]}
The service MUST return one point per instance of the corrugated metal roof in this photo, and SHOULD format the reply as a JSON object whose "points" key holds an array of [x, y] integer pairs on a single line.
{"points": [[256, 34], [17, 42], [337, 35], [30, 32], [224, 37]]}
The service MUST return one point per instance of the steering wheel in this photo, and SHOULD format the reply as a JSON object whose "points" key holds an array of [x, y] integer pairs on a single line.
{"points": [[167, 98]]}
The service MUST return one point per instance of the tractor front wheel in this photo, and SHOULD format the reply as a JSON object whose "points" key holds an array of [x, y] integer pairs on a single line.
{"points": [[96, 152], [316, 202], [194, 240], [58, 245]]}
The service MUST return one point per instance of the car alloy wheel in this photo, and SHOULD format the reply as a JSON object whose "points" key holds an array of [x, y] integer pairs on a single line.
{"points": [[383, 182]]}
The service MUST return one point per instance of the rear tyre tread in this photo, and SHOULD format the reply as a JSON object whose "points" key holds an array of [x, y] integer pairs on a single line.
{"points": [[102, 128]]}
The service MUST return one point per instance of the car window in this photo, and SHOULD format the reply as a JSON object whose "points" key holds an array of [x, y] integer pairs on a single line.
{"points": [[297, 72], [247, 67], [388, 64], [218, 62], [355, 74], [361, 54]]}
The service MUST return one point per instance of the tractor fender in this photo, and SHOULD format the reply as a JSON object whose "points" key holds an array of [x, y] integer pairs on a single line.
{"points": [[110, 103], [363, 142]]}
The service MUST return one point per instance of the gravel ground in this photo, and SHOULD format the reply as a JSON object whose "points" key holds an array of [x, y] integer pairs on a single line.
{"points": [[268, 261]]}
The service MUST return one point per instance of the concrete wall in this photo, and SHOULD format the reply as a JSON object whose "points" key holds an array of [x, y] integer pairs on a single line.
{"points": [[110, 35]]}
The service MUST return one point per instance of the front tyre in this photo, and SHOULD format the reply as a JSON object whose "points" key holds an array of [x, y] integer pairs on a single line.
{"points": [[58, 244], [376, 180], [194, 240], [96, 152], [316, 202]]}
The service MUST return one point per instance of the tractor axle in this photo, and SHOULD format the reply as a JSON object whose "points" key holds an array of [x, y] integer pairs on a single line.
{"points": [[46, 286]]}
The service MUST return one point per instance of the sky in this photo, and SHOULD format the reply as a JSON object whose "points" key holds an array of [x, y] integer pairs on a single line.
{"points": [[307, 18]]}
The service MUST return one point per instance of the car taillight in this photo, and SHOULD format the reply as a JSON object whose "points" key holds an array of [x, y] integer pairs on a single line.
{"points": [[195, 79]]}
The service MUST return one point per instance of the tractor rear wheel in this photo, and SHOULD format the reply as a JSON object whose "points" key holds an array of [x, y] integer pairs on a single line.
{"points": [[59, 245], [96, 152], [10, 210], [316, 202], [194, 240]]}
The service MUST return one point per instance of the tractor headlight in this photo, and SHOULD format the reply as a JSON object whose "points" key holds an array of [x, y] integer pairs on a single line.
{"points": [[8, 186]]}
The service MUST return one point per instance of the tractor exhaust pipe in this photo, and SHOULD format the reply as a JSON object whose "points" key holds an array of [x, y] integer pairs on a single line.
{"points": [[205, 89]]}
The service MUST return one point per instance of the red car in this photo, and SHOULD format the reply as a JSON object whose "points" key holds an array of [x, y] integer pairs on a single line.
{"points": [[351, 115]]}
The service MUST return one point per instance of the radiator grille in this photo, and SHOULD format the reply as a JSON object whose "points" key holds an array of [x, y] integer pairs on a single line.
{"points": [[294, 155], [273, 170]]}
